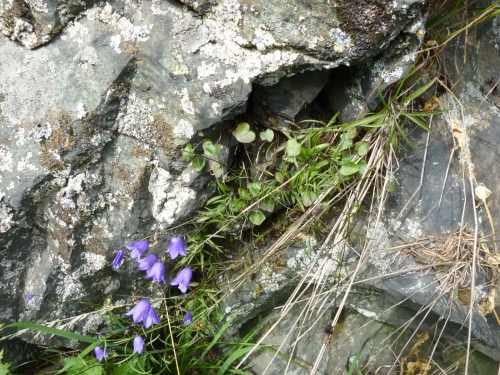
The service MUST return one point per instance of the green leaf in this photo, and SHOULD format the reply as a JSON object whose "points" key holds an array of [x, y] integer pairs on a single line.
{"points": [[243, 133], [418, 120], [362, 165], [267, 204], [255, 188], [134, 366], [216, 338], [81, 366], [233, 357], [244, 194], [345, 142], [238, 205], [256, 218], [308, 198], [198, 163], [4, 367], [53, 331], [417, 93], [362, 148], [215, 168], [210, 149], [292, 148], [348, 168], [391, 185], [268, 135], [187, 152], [280, 177]]}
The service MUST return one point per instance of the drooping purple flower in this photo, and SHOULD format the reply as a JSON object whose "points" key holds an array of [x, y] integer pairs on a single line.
{"points": [[145, 313], [157, 272], [137, 249], [138, 344], [183, 279], [176, 247], [147, 262], [151, 319], [187, 318], [118, 259], [29, 297], [100, 353]]}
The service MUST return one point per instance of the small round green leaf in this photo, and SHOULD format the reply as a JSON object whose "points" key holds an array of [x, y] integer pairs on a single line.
{"points": [[268, 135], [256, 218], [392, 185], [279, 176], [211, 149], [187, 152], [362, 148], [348, 168], [244, 194], [292, 148], [198, 163], [243, 133], [308, 198], [255, 188], [267, 204]]}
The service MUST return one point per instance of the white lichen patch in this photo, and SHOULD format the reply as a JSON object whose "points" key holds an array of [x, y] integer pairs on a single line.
{"points": [[95, 262], [183, 129], [263, 39], [92, 323], [341, 41], [388, 74], [207, 69], [186, 103], [69, 289], [37, 6], [6, 216], [6, 160], [87, 57], [76, 32], [127, 31], [171, 199], [25, 165]]}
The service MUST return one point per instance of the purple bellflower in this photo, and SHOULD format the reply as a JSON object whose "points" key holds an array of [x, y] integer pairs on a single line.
{"points": [[29, 297], [138, 344], [118, 259], [100, 353], [145, 313], [187, 318], [183, 279], [137, 249], [157, 272], [147, 262], [176, 247]]}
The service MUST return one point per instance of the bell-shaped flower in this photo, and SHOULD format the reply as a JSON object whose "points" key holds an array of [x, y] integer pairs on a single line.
{"points": [[151, 319], [100, 353], [29, 297], [187, 318], [137, 249], [147, 262], [118, 259], [138, 344], [157, 272], [176, 247], [145, 313], [183, 279]]}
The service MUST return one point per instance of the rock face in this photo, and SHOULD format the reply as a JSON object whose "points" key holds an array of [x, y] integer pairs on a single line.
{"points": [[431, 222], [96, 98]]}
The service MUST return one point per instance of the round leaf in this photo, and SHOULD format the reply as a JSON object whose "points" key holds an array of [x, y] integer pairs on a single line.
{"points": [[292, 148], [268, 135], [348, 168], [211, 149], [362, 148], [243, 133], [256, 218], [308, 198], [188, 151], [280, 177], [198, 163], [244, 194], [254, 188]]}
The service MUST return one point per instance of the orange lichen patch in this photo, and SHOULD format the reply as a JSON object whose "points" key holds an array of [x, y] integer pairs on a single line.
{"points": [[431, 105]]}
